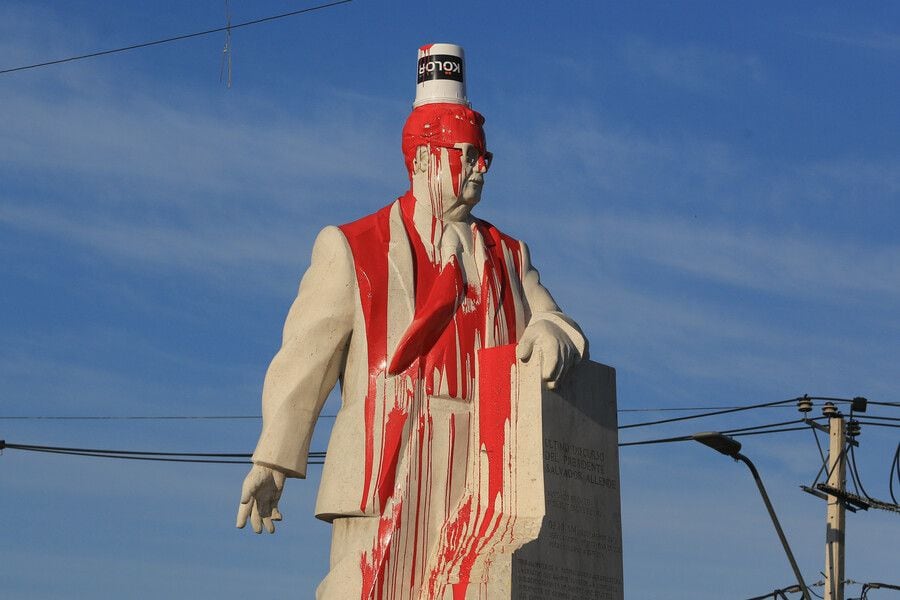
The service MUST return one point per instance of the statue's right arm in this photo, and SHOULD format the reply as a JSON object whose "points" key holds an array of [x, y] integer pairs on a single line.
{"points": [[314, 346]]}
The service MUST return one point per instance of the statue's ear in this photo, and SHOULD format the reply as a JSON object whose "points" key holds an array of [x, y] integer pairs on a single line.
{"points": [[420, 161]]}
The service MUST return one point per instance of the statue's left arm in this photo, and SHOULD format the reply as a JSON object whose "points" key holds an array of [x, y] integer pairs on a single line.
{"points": [[550, 331]]}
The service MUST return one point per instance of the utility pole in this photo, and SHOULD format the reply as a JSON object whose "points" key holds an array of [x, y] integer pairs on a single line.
{"points": [[834, 529]]}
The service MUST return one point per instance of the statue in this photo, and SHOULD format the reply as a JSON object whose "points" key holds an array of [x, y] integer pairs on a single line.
{"points": [[398, 307]]}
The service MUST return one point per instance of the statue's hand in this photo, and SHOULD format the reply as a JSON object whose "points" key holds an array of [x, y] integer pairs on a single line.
{"points": [[556, 348], [259, 498]]}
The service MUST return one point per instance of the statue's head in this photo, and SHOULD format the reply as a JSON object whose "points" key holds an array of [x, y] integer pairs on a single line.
{"points": [[445, 143], [443, 140]]}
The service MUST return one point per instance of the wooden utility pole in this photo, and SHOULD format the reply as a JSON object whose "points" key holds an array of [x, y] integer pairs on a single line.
{"points": [[834, 531]]}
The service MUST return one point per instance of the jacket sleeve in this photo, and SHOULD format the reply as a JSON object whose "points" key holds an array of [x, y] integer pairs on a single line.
{"points": [[544, 308], [316, 336]]}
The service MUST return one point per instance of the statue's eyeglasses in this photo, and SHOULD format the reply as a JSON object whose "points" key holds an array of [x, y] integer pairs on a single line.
{"points": [[481, 160]]}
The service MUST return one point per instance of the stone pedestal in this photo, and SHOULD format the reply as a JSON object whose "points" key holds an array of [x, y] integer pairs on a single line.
{"points": [[578, 553], [512, 497]]}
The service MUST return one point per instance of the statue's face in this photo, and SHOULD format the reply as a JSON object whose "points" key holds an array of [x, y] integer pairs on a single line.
{"points": [[466, 167]]}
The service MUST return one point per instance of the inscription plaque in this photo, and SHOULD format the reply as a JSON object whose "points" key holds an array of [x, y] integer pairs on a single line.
{"points": [[578, 554]]}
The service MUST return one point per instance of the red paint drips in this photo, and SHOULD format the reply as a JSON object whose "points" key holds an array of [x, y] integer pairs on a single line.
{"points": [[438, 352], [441, 125]]}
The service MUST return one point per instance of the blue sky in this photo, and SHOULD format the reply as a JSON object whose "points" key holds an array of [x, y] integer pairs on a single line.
{"points": [[710, 189]]}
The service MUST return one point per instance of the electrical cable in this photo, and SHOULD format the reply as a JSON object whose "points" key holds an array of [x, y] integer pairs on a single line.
{"points": [[848, 400], [821, 454], [856, 477], [124, 452], [707, 414], [716, 410], [879, 418], [837, 461], [208, 457], [257, 417], [894, 404], [137, 417], [128, 418], [684, 438], [877, 424], [686, 408], [175, 38], [680, 438], [782, 430], [792, 422], [150, 458], [895, 466]]}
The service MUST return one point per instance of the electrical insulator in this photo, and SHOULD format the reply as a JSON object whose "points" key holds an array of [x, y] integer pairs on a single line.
{"points": [[804, 404], [853, 428], [830, 410]]}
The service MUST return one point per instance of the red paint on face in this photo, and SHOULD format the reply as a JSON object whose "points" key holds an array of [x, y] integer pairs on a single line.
{"points": [[441, 125], [455, 158]]}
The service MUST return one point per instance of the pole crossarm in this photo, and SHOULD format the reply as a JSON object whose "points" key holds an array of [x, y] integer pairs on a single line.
{"points": [[857, 500]]}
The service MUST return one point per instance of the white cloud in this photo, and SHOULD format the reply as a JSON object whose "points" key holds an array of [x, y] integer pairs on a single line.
{"points": [[873, 40], [756, 260], [692, 67]]}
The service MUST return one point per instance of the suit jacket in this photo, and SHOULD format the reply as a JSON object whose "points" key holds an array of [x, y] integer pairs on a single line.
{"points": [[355, 304]]}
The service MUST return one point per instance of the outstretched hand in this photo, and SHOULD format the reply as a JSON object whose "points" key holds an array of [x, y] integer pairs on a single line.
{"points": [[557, 349], [259, 498]]}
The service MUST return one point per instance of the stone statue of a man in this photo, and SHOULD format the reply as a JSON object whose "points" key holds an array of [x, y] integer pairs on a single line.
{"points": [[396, 306]]}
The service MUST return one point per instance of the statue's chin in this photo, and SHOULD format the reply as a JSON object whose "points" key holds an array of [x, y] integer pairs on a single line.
{"points": [[470, 196]]}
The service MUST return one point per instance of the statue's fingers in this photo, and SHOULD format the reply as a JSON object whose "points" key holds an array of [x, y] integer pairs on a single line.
{"points": [[243, 512], [566, 354], [250, 485], [566, 364], [549, 364], [268, 524], [256, 519], [276, 514], [525, 347], [264, 502]]}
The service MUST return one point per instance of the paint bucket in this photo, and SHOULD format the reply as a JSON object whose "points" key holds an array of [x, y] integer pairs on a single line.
{"points": [[440, 75]]}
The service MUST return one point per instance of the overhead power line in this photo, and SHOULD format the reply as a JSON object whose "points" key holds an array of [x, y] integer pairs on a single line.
{"points": [[712, 410], [176, 38], [318, 456], [331, 416], [188, 457], [688, 408], [876, 424], [128, 417], [707, 414], [732, 433]]}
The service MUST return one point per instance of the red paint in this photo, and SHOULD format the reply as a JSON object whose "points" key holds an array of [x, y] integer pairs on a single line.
{"points": [[495, 393], [431, 318], [451, 323], [494, 404], [392, 434], [441, 125], [373, 568], [364, 236], [455, 158]]}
